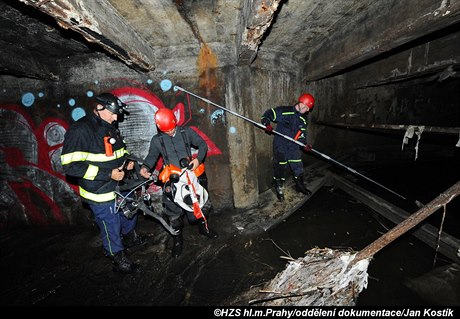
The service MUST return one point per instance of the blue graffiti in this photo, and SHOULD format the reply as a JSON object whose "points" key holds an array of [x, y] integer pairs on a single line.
{"points": [[71, 102], [149, 81], [217, 115], [232, 130], [89, 93], [78, 113], [41, 94], [165, 85], [28, 99]]}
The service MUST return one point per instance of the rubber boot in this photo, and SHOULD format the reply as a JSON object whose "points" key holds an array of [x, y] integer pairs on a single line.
{"points": [[300, 186], [206, 231], [178, 245], [121, 263], [132, 239], [279, 188]]}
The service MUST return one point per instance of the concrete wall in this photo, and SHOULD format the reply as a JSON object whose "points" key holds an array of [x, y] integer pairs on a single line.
{"points": [[249, 93], [416, 85], [36, 114], [239, 163]]}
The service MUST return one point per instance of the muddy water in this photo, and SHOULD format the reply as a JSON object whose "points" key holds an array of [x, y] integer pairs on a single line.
{"points": [[333, 219], [59, 266]]}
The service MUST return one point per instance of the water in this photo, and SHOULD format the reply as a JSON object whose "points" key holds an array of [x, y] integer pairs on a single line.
{"points": [[65, 266], [335, 220]]}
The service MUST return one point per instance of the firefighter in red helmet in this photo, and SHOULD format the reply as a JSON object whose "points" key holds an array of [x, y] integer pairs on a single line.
{"points": [[308, 100], [175, 145], [291, 121], [165, 120]]}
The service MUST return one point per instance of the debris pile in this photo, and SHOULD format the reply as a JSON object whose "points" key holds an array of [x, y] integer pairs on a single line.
{"points": [[324, 277]]}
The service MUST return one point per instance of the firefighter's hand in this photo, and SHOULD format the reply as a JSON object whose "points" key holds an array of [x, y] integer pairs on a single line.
{"points": [[117, 174], [130, 165], [307, 148], [193, 164], [268, 129], [144, 171], [154, 177]]}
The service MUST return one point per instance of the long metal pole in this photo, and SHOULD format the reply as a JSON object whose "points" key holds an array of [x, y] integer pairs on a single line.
{"points": [[292, 140]]}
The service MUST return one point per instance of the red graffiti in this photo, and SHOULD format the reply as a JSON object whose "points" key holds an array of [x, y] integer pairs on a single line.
{"points": [[26, 154], [33, 172]]}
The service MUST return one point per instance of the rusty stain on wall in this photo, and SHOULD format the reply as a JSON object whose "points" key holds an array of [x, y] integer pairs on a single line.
{"points": [[207, 64], [207, 60]]}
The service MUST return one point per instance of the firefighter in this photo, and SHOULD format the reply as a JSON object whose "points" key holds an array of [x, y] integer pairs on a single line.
{"points": [[94, 153], [291, 121], [174, 144]]}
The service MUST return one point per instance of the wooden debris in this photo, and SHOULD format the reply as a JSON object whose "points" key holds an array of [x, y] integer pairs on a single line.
{"points": [[327, 277], [412, 221], [322, 277]]}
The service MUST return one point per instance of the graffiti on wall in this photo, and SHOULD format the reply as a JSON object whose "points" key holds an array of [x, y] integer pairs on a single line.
{"points": [[33, 187]]}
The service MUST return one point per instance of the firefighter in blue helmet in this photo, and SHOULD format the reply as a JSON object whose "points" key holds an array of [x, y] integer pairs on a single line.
{"points": [[291, 121], [94, 153]]}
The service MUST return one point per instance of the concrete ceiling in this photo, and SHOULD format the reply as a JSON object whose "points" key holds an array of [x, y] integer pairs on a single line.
{"points": [[319, 38]]}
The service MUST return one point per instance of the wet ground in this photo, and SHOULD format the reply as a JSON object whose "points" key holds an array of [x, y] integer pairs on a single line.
{"points": [[390, 269], [66, 266]]}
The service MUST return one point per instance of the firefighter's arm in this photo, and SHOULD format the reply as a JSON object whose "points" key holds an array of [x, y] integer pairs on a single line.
{"points": [[198, 142], [74, 157], [268, 117], [303, 136], [150, 160]]}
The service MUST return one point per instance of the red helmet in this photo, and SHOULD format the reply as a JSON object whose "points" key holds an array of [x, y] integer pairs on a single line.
{"points": [[307, 99], [165, 119]]}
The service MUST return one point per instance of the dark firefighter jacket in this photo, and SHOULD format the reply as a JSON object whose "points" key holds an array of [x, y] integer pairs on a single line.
{"points": [[175, 147], [289, 122], [84, 157]]}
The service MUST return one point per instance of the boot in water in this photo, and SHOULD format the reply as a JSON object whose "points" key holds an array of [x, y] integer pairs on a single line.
{"points": [[121, 263], [300, 186], [205, 230], [133, 239], [279, 188]]}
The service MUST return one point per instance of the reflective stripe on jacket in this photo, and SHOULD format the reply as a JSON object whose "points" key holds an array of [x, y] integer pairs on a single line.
{"points": [[289, 122], [83, 156]]}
